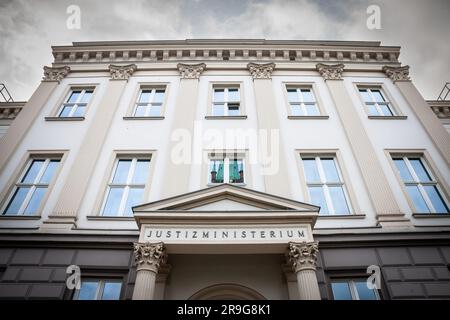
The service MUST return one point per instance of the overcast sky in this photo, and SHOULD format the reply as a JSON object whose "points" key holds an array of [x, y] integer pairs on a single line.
{"points": [[28, 28]]}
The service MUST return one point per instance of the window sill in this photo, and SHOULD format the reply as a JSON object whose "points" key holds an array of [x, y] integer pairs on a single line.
{"points": [[388, 117], [144, 118], [225, 117], [243, 184], [64, 118], [431, 215], [341, 216], [19, 217], [308, 117], [111, 218]]}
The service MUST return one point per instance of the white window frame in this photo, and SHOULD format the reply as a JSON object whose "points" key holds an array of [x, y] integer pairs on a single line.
{"points": [[226, 170], [33, 186], [74, 105], [376, 103], [353, 290], [416, 181], [301, 101], [100, 288], [127, 186], [226, 102], [324, 184], [148, 105]]}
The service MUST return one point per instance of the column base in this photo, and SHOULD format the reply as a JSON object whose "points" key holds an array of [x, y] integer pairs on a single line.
{"points": [[58, 224]]}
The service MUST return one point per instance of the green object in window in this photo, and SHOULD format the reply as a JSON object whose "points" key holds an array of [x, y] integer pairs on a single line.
{"points": [[235, 176], [219, 176]]}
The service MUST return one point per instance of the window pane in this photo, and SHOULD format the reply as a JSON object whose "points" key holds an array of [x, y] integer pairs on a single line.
{"points": [[307, 95], [403, 170], [339, 201], [113, 202], [312, 110], [111, 291], [159, 96], [216, 171], [386, 110], [296, 110], [86, 97], [35, 201], [16, 201], [135, 196], [233, 109], [417, 199], [155, 110], [74, 96], [121, 174], [88, 290], [33, 171], [365, 95], [218, 109], [341, 291], [318, 199], [219, 95], [419, 169], [236, 169], [293, 95], [65, 111], [141, 172], [329, 167], [372, 110], [378, 96], [140, 111], [364, 293], [145, 96], [79, 111], [311, 172], [436, 199], [233, 95]]}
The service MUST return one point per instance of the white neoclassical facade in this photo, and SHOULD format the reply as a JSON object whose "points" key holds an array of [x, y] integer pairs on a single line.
{"points": [[225, 169]]}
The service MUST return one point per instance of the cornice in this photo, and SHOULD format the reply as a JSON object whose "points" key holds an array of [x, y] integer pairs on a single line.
{"points": [[441, 108], [10, 110]]}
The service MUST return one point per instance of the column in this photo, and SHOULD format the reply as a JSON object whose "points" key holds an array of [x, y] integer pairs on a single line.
{"points": [[183, 123], [302, 256], [276, 178], [25, 119], [431, 124], [65, 213], [148, 257], [380, 192]]}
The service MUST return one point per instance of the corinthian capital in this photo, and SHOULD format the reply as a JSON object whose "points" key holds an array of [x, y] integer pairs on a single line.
{"points": [[122, 72], [397, 73], [261, 71], [302, 255], [330, 71], [149, 255], [55, 74], [191, 71]]}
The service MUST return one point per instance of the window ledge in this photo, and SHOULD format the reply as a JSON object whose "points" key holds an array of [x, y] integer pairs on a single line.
{"points": [[341, 216], [308, 117], [144, 118], [19, 217], [388, 117], [111, 218], [234, 184], [226, 117], [431, 215], [64, 118]]}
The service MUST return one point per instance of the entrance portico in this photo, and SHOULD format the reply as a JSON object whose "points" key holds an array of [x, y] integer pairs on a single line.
{"points": [[226, 220]]}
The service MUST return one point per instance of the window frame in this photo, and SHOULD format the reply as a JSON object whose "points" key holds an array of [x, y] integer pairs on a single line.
{"points": [[130, 114], [315, 92], [226, 156], [100, 288], [54, 115], [225, 85], [352, 286]]}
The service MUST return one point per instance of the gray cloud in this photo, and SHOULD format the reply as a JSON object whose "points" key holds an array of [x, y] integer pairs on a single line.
{"points": [[28, 28]]}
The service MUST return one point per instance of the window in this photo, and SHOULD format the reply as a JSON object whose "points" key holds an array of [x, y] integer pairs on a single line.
{"points": [[99, 290], [226, 169], [226, 101], [302, 102], [126, 186], [421, 186], [149, 103], [353, 290], [76, 103], [376, 102], [30, 189], [325, 184]]}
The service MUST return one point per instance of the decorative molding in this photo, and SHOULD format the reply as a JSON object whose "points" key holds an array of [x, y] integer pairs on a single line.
{"points": [[191, 71], [149, 255], [9, 110], [397, 73], [440, 108], [55, 73], [330, 72], [302, 255], [122, 72], [261, 71]]}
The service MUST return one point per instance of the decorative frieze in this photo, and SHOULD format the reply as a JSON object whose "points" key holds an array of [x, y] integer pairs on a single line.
{"points": [[330, 72], [55, 73], [122, 72], [191, 71], [302, 255], [397, 73], [149, 255], [261, 71]]}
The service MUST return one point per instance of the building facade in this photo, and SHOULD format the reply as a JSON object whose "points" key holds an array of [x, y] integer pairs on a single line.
{"points": [[218, 169]]}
